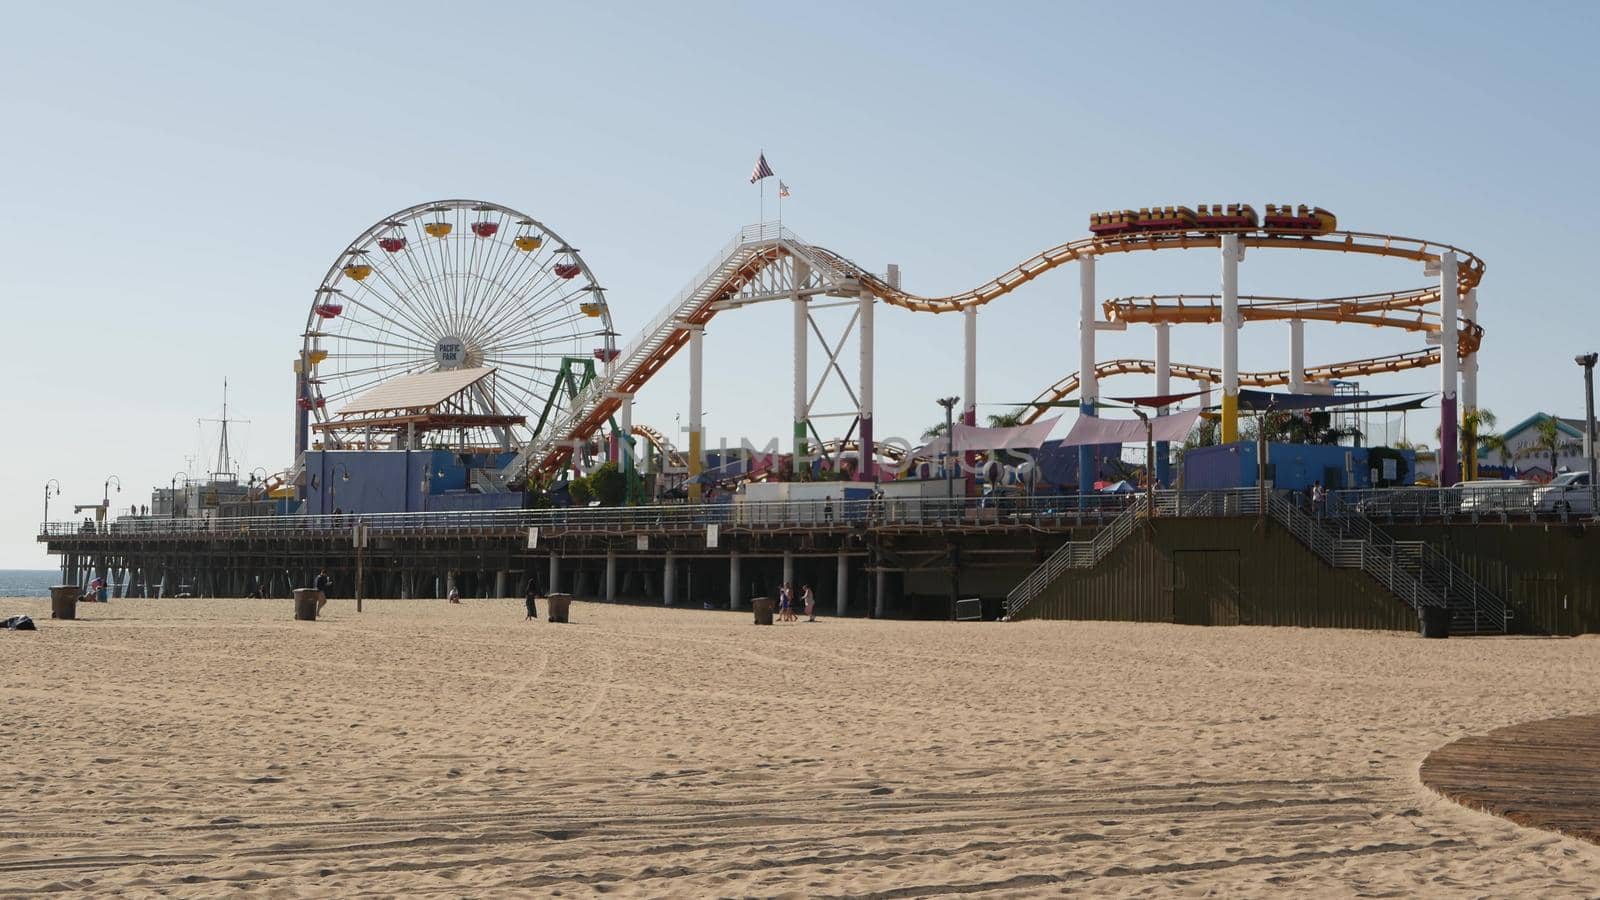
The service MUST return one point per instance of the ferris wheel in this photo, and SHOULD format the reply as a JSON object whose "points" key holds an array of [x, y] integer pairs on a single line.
{"points": [[455, 285]]}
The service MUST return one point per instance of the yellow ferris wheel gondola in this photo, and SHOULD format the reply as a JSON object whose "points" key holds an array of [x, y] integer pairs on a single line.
{"points": [[528, 242], [437, 229], [592, 308], [357, 271], [316, 356]]}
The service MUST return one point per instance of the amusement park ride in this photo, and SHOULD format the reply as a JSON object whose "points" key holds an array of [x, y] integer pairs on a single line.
{"points": [[496, 297]]}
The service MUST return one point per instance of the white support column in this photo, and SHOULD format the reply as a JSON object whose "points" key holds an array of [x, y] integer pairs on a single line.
{"points": [[1163, 388], [735, 583], [611, 574], [696, 373], [555, 573], [841, 596], [1088, 380], [1297, 356], [969, 387], [625, 458], [788, 567], [1230, 338], [802, 386], [669, 580], [868, 469], [1448, 343], [500, 583], [879, 604]]}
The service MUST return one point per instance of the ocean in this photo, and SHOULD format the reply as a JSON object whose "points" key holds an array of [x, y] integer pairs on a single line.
{"points": [[27, 582]]}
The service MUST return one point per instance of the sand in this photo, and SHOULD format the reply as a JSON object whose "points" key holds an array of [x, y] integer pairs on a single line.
{"points": [[218, 747]]}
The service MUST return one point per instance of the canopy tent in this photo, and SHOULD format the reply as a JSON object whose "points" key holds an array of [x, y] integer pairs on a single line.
{"points": [[1095, 430], [1261, 401], [974, 439]]}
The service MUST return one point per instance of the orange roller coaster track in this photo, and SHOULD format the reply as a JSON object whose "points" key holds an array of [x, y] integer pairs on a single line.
{"points": [[1470, 267], [1066, 387]]}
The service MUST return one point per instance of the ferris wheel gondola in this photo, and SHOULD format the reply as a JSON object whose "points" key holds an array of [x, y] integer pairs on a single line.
{"points": [[458, 284]]}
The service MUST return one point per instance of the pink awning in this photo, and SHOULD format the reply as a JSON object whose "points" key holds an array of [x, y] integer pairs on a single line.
{"points": [[1095, 430], [973, 439]]}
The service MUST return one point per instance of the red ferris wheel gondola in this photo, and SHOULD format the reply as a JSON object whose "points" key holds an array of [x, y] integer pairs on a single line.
{"points": [[329, 310], [566, 270], [392, 244], [485, 229]]}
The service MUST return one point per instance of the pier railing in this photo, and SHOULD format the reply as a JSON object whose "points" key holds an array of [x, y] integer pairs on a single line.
{"points": [[968, 512]]}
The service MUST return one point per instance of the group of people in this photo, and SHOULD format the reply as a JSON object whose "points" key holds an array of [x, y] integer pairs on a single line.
{"points": [[786, 603]]}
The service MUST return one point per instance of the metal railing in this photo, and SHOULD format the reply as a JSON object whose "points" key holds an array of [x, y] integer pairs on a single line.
{"points": [[1477, 503], [1076, 555], [1380, 558], [1054, 511]]}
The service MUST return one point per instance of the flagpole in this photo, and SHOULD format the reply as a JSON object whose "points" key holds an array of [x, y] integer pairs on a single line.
{"points": [[761, 184]]}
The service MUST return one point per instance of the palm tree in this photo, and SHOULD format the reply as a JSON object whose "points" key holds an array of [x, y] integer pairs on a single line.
{"points": [[1551, 439], [935, 431], [1474, 431], [1007, 420]]}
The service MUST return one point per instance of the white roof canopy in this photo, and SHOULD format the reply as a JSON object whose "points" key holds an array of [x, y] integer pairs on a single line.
{"points": [[415, 392]]}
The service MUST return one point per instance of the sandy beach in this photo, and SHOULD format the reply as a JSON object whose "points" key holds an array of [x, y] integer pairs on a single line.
{"points": [[212, 747]]}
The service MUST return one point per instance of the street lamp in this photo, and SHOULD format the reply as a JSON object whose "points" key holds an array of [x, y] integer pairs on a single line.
{"points": [[47, 485], [1587, 361], [949, 404], [105, 496], [172, 493], [333, 490]]}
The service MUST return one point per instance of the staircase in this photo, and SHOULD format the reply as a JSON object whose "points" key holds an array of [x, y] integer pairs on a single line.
{"points": [[1474, 609], [1412, 571], [1077, 555]]}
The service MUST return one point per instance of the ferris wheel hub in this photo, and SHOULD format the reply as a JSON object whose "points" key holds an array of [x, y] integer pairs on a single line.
{"points": [[451, 353]]}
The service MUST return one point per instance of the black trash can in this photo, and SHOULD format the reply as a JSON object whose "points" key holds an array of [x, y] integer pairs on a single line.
{"points": [[306, 603], [64, 601], [558, 607], [762, 607], [1436, 621]]}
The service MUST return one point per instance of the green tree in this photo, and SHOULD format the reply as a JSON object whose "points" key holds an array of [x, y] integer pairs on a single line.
{"points": [[1009, 419], [1552, 440], [931, 433], [608, 485], [1476, 430]]}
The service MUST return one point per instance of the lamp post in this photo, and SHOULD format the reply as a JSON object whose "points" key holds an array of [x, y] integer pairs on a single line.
{"points": [[172, 493], [333, 490], [1587, 361], [105, 496], [949, 404], [1149, 462], [47, 485]]}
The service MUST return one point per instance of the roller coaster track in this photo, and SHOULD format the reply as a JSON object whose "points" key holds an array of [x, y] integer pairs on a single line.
{"points": [[1066, 387], [745, 260], [1408, 310]]}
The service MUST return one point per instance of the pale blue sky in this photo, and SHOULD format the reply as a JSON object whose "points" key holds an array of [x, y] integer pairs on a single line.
{"points": [[177, 177]]}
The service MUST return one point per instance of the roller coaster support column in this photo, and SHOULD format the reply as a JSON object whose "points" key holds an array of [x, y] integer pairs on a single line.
{"points": [[696, 367], [1088, 383], [1448, 474], [1469, 379], [869, 469], [625, 456], [1230, 338], [802, 456], [969, 392], [1163, 387], [1297, 356]]}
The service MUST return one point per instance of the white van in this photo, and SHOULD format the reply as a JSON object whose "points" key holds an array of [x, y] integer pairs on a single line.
{"points": [[1496, 495]]}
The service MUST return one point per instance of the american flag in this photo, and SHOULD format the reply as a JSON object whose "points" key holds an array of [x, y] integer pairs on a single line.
{"points": [[783, 189], [762, 170]]}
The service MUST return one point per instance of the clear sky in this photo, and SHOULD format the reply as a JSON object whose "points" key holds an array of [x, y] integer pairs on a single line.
{"points": [[175, 179]]}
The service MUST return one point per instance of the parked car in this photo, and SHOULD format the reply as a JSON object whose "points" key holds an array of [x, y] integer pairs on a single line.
{"points": [[1569, 492], [1496, 495]]}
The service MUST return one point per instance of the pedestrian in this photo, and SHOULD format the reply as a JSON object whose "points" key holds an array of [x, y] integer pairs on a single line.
{"points": [[809, 598], [529, 604], [1317, 497], [323, 584], [827, 510], [785, 602]]}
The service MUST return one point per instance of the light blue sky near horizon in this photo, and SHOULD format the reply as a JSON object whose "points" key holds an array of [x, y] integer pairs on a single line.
{"points": [[176, 177]]}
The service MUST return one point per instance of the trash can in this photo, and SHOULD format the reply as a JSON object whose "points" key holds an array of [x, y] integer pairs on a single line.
{"points": [[64, 601], [306, 601], [559, 605], [762, 607], [1436, 621]]}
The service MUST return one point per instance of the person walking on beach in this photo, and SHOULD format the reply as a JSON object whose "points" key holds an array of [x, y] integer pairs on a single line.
{"points": [[529, 604], [323, 584], [785, 602], [809, 598]]}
